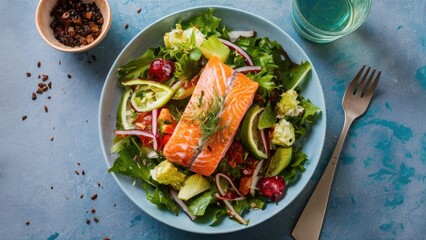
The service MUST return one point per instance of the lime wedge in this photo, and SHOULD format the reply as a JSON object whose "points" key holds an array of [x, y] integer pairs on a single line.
{"points": [[148, 95], [279, 161], [250, 133], [125, 111]]}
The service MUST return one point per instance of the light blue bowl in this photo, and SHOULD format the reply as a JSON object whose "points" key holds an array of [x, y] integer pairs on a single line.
{"points": [[152, 37]]}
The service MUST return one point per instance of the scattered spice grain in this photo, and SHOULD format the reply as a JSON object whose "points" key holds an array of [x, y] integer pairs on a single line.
{"points": [[87, 221], [24, 117], [45, 77], [76, 172], [126, 26], [94, 196], [93, 210], [46, 109], [52, 138], [49, 85], [28, 74], [27, 222], [81, 196], [83, 172], [96, 219], [69, 76], [33, 96], [139, 10], [38, 64]]}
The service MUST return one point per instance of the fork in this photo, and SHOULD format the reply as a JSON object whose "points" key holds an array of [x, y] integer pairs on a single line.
{"points": [[355, 102]]}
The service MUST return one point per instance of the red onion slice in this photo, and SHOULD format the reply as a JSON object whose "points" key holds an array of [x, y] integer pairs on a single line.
{"points": [[181, 204], [264, 141], [255, 178], [234, 35], [230, 199], [239, 50], [154, 122], [231, 212], [136, 132], [219, 188], [247, 69]]}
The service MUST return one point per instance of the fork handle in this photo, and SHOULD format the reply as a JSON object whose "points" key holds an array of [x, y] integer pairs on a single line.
{"points": [[310, 222]]}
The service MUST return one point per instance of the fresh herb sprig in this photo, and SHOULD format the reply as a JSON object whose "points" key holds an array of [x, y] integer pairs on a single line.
{"points": [[209, 118]]}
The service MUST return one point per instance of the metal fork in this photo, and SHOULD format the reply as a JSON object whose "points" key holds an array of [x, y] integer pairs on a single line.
{"points": [[355, 102]]}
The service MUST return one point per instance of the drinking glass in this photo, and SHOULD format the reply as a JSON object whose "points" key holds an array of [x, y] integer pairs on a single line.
{"points": [[327, 20]]}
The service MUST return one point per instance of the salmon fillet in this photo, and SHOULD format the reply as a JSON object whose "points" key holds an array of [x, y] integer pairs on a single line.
{"points": [[237, 101], [186, 146]]}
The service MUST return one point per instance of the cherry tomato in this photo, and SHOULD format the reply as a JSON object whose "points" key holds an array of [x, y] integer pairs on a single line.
{"points": [[161, 70]]}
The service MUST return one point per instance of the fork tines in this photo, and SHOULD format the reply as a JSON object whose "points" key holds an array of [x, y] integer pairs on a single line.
{"points": [[365, 87]]}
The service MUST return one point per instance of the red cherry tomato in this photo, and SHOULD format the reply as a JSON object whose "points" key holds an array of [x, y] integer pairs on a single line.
{"points": [[161, 70]]}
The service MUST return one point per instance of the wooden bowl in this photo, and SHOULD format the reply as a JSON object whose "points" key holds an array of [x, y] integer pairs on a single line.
{"points": [[43, 20]]}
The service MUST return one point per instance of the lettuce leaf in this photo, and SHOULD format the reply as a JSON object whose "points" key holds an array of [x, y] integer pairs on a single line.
{"points": [[129, 163], [199, 205], [207, 23], [137, 67]]}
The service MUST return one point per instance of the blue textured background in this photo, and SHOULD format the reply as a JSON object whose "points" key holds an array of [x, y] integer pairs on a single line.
{"points": [[379, 190]]}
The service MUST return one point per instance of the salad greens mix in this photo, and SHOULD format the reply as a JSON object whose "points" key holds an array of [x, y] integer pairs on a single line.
{"points": [[266, 154]]}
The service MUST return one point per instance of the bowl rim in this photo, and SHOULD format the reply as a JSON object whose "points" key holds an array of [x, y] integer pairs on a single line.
{"points": [[102, 110], [105, 29]]}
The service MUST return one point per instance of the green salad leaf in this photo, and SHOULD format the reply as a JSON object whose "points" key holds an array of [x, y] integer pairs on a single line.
{"points": [[207, 23], [310, 113], [137, 67], [130, 163], [199, 205], [161, 197]]}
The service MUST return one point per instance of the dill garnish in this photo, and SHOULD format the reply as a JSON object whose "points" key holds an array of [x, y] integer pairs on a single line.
{"points": [[209, 119], [175, 112]]}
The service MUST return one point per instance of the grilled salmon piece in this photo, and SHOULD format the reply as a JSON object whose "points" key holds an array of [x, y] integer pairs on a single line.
{"points": [[186, 146], [237, 101]]}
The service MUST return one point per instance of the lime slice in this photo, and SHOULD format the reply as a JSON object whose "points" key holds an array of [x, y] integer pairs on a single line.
{"points": [[125, 111], [279, 161], [148, 95], [250, 133]]}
